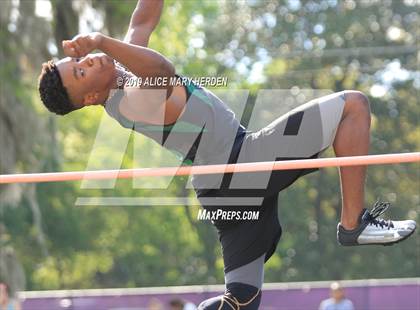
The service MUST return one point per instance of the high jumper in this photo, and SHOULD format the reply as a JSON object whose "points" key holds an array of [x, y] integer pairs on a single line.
{"points": [[192, 121]]}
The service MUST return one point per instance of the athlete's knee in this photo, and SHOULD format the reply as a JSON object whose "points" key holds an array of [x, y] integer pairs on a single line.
{"points": [[238, 296], [357, 100], [357, 104]]}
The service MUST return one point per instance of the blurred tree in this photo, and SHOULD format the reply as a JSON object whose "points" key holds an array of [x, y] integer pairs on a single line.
{"points": [[17, 126]]}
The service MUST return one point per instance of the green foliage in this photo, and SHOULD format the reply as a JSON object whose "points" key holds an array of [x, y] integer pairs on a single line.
{"points": [[323, 45]]}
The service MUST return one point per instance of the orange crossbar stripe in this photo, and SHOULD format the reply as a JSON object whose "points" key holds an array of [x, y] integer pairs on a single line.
{"points": [[212, 169]]}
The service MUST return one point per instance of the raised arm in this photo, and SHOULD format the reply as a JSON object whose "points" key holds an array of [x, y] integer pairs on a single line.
{"points": [[141, 61], [145, 17]]}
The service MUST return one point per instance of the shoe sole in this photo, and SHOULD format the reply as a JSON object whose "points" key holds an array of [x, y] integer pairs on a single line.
{"points": [[383, 244], [402, 239]]}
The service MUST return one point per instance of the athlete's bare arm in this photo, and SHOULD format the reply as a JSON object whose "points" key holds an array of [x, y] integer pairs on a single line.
{"points": [[143, 21], [141, 61]]}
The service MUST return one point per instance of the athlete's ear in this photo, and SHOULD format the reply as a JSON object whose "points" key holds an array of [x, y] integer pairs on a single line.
{"points": [[90, 98]]}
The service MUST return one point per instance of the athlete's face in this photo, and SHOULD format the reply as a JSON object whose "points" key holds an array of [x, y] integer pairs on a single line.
{"points": [[87, 78]]}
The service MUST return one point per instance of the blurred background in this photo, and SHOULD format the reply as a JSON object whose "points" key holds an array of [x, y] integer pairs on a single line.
{"points": [[48, 243]]}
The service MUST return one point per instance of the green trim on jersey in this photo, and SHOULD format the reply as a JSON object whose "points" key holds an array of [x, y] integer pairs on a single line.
{"points": [[179, 126], [191, 90]]}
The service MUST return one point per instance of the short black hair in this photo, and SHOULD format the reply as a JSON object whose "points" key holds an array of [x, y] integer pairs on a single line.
{"points": [[52, 91]]}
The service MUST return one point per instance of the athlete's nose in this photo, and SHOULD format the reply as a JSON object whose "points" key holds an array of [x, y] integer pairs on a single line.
{"points": [[88, 61]]}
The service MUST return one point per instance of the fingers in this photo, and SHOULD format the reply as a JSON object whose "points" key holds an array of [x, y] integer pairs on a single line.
{"points": [[68, 48], [81, 45], [79, 49], [76, 47]]}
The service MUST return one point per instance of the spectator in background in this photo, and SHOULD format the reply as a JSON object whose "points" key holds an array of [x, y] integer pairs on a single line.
{"points": [[179, 304], [7, 303], [338, 300], [176, 304], [155, 304]]}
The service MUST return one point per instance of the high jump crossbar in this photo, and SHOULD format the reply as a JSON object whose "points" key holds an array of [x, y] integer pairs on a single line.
{"points": [[381, 159]]}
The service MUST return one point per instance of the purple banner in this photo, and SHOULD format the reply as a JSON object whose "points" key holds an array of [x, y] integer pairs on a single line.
{"points": [[398, 294]]}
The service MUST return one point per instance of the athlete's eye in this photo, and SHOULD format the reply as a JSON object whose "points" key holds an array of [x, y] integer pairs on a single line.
{"points": [[77, 59]]}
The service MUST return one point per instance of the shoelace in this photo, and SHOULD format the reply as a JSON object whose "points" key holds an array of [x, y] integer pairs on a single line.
{"points": [[379, 208], [233, 302]]}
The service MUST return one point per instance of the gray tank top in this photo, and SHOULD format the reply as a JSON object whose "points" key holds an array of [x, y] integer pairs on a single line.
{"points": [[204, 134]]}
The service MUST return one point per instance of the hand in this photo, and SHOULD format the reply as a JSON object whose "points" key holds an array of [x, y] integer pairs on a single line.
{"points": [[82, 44]]}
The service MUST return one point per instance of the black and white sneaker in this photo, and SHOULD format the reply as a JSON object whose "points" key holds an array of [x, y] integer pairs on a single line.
{"points": [[374, 230]]}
